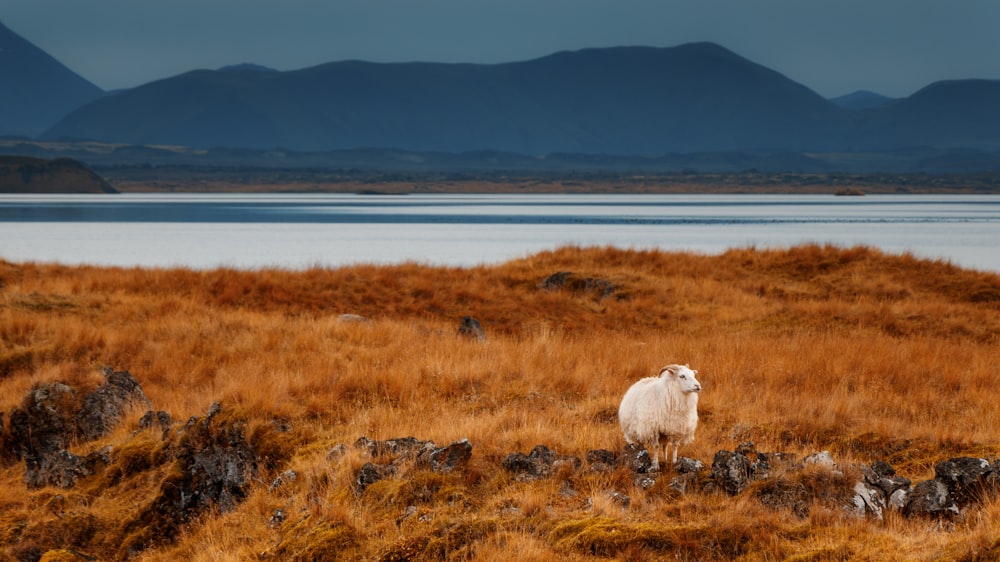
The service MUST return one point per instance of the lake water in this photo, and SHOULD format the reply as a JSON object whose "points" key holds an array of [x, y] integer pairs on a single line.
{"points": [[298, 231]]}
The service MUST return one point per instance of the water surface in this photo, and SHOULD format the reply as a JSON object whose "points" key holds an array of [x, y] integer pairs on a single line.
{"points": [[297, 231]]}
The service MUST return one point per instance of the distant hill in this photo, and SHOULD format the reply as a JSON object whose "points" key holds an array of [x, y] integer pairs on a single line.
{"points": [[861, 99], [697, 103], [948, 114], [625, 100], [22, 174], [36, 90]]}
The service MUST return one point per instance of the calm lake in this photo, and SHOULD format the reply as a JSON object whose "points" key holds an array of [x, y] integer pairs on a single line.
{"points": [[299, 231]]}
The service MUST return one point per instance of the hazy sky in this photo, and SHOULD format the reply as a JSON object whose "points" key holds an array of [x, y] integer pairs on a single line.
{"points": [[893, 47]]}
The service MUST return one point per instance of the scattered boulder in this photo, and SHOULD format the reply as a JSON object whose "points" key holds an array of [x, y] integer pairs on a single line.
{"points": [[371, 473], [965, 478], [686, 473], [448, 458], [601, 460], [471, 328], [930, 499], [733, 471], [541, 462], [637, 459]]}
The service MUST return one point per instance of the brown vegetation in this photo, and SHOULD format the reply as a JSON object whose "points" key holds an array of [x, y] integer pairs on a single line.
{"points": [[869, 356]]}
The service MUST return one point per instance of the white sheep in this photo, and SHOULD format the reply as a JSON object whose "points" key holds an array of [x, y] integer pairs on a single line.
{"points": [[661, 411]]}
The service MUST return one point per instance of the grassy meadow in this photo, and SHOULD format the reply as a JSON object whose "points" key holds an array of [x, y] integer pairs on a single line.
{"points": [[867, 355]]}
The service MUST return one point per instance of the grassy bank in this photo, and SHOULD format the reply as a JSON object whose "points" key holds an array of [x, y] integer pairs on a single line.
{"points": [[869, 356]]}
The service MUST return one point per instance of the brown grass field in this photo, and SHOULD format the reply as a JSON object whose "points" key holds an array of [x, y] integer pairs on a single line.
{"points": [[867, 355]]}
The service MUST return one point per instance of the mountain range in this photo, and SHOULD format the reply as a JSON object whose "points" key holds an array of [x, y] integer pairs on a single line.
{"points": [[644, 101], [36, 90]]}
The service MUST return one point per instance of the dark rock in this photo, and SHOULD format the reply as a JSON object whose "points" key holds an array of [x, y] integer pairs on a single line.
{"points": [[930, 499], [371, 473], [61, 469], [158, 419], [44, 423], [883, 469], [881, 475], [555, 281], [637, 459], [731, 471], [685, 465], [685, 474], [213, 468], [965, 478], [446, 459], [892, 484], [277, 518], [539, 463], [106, 405], [601, 460], [404, 447], [471, 328], [559, 280]]}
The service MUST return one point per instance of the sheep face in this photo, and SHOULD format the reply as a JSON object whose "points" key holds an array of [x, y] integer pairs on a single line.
{"points": [[684, 376]]}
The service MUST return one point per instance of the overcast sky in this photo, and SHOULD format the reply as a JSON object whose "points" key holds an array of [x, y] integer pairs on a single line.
{"points": [[893, 47]]}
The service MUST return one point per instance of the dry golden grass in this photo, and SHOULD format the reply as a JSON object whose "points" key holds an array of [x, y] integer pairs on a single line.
{"points": [[866, 355]]}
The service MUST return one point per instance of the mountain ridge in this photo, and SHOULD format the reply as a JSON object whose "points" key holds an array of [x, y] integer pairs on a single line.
{"points": [[36, 90], [643, 101]]}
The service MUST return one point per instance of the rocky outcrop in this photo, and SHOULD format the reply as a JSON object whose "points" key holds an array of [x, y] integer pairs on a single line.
{"points": [[208, 463], [212, 466], [52, 416], [22, 174]]}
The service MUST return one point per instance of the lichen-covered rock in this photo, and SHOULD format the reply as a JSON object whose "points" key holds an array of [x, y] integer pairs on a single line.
{"points": [[637, 459], [964, 477], [371, 473], [104, 408], [601, 460], [63, 469], [541, 462], [44, 423], [213, 466], [930, 499], [447, 458]]}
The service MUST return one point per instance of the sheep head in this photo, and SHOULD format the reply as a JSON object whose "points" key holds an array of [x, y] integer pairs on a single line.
{"points": [[684, 376]]}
